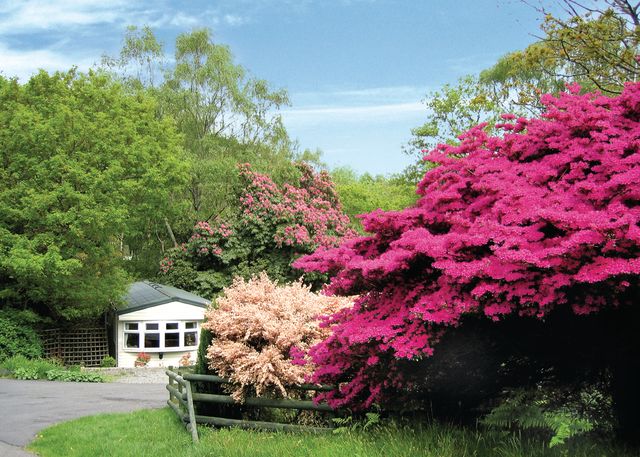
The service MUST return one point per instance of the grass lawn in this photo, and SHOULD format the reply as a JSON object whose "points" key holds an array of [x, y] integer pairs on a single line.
{"points": [[158, 433]]}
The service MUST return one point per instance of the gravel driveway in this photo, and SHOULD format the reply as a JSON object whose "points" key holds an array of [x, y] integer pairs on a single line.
{"points": [[27, 407]]}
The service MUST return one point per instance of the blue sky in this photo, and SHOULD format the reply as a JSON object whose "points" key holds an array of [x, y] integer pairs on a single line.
{"points": [[356, 70]]}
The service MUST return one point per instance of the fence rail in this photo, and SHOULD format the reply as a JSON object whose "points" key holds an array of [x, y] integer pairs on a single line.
{"points": [[182, 398]]}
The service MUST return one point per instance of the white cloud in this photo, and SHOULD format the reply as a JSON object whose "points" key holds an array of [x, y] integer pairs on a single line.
{"points": [[317, 115], [23, 64], [235, 20], [33, 15]]}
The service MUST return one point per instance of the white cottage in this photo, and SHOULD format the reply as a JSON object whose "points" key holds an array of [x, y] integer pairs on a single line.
{"points": [[161, 321]]}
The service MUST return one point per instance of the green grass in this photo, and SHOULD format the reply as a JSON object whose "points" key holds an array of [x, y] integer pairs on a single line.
{"points": [[158, 433]]}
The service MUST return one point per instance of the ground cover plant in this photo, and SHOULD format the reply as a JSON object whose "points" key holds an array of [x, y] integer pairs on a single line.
{"points": [[158, 433], [542, 220], [20, 367]]}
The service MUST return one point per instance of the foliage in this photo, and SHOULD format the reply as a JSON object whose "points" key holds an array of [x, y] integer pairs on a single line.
{"points": [[262, 331], [593, 44], [25, 373], [18, 335], [123, 435], [365, 193], [85, 167], [23, 368], [74, 376], [272, 226], [523, 411], [544, 217], [108, 362]]}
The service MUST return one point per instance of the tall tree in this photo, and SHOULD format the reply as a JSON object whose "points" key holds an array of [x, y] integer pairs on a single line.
{"points": [[85, 167], [225, 116]]}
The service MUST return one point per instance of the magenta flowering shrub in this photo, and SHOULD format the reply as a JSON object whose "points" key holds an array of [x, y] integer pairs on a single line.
{"points": [[262, 332], [545, 216], [272, 226], [304, 216]]}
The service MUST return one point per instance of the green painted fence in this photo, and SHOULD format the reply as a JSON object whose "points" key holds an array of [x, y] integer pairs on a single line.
{"points": [[182, 398]]}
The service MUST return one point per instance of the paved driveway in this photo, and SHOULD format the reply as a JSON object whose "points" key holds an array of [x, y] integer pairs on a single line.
{"points": [[27, 407]]}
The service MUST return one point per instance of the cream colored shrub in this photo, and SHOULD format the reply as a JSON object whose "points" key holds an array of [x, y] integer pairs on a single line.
{"points": [[262, 332]]}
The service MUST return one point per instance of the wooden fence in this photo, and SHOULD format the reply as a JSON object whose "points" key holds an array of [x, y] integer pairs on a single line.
{"points": [[77, 346], [182, 398]]}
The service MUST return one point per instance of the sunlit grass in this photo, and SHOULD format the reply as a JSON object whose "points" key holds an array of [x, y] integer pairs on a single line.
{"points": [[158, 433]]}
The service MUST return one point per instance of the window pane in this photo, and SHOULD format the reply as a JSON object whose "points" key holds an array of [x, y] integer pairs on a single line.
{"points": [[152, 340], [131, 326], [152, 326], [172, 326], [132, 340], [190, 338], [171, 340], [190, 325]]}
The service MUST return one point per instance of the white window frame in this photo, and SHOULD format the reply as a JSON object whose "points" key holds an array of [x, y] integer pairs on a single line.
{"points": [[162, 330]]}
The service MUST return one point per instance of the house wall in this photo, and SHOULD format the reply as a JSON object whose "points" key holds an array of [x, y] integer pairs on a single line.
{"points": [[174, 312]]}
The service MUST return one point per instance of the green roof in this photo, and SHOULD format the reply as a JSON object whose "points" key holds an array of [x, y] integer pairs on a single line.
{"points": [[145, 294]]}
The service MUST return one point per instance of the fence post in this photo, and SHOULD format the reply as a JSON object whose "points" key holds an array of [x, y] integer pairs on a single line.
{"points": [[192, 413]]}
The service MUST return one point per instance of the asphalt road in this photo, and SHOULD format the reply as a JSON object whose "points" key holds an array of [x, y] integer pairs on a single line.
{"points": [[27, 407]]}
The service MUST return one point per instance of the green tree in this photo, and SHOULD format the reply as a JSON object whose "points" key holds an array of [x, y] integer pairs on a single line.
{"points": [[226, 117], [86, 167], [360, 194], [593, 45]]}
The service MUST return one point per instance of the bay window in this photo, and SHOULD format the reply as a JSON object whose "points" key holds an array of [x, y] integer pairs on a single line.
{"points": [[160, 336]]}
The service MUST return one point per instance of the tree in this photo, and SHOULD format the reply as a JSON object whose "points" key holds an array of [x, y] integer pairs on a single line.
{"points": [[365, 193], [85, 167], [542, 219], [272, 225], [226, 118], [589, 45]]}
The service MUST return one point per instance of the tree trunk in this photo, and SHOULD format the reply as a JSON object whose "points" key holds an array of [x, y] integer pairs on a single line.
{"points": [[173, 238]]}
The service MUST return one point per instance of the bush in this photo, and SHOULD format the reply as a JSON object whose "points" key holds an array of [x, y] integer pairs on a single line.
{"points": [[73, 376], [18, 335], [108, 362], [541, 220], [23, 368], [262, 331]]}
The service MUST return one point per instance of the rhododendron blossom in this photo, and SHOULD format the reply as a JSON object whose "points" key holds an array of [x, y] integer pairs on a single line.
{"points": [[272, 226], [262, 331], [546, 215]]}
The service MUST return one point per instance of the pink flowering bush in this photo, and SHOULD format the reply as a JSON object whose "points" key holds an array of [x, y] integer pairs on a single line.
{"points": [[543, 217], [262, 331], [273, 225]]}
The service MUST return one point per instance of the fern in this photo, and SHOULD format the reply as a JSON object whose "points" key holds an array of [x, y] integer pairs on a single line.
{"points": [[522, 412]]}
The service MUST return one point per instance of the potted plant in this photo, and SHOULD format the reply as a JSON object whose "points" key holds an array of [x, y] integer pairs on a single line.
{"points": [[185, 360], [142, 359]]}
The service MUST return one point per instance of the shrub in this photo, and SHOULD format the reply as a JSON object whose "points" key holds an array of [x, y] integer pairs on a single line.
{"points": [[262, 331], [272, 226], [524, 410], [108, 362], [18, 335], [73, 376], [23, 368], [25, 373], [544, 218]]}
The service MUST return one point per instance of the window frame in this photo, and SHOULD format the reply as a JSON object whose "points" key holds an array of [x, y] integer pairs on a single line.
{"points": [[141, 330]]}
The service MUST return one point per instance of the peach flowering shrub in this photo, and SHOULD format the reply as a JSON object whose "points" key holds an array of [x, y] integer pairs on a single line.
{"points": [[262, 332]]}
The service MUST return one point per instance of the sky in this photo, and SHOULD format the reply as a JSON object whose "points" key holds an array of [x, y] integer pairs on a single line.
{"points": [[357, 71]]}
